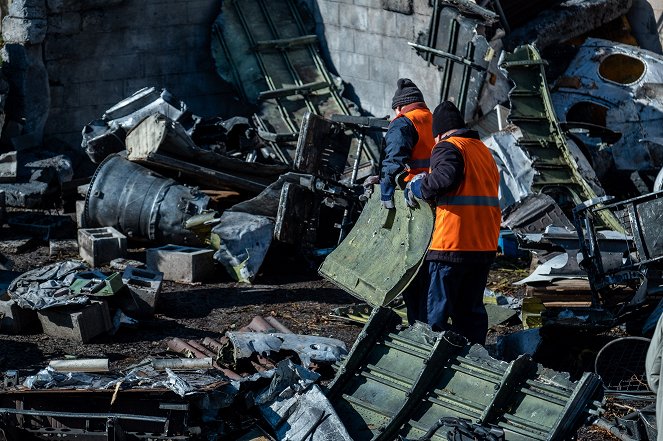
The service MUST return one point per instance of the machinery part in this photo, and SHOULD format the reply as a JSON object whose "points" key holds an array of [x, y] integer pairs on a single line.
{"points": [[352, 265], [621, 365], [261, 47], [141, 203], [400, 381], [532, 111]]}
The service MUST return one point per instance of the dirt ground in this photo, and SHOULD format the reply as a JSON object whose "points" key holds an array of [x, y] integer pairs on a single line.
{"points": [[289, 291]]}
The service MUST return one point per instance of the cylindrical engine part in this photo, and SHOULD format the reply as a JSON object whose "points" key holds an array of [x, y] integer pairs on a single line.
{"points": [[141, 203]]}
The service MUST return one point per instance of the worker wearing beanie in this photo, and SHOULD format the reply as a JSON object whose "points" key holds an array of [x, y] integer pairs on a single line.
{"points": [[463, 186], [408, 141]]}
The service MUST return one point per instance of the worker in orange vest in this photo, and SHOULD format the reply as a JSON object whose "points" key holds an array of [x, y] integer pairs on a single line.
{"points": [[462, 184], [408, 141], [407, 148]]}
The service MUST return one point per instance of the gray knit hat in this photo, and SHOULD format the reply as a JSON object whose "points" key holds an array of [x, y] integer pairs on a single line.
{"points": [[406, 93]]}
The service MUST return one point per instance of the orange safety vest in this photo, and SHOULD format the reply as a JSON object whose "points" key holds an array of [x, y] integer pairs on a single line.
{"points": [[420, 157], [468, 219]]}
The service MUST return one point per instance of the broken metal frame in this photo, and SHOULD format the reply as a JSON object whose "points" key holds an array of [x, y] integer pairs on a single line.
{"points": [[640, 219], [285, 46], [453, 54], [159, 418], [532, 111], [401, 381]]}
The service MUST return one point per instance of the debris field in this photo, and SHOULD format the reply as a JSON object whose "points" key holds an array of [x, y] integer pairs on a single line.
{"points": [[234, 276]]}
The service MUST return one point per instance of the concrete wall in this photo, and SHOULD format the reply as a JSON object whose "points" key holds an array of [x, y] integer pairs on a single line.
{"points": [[95, 53], [368, 48]]}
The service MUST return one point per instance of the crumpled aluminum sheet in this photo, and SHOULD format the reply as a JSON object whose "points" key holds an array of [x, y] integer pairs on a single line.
{"points": [[514, 165], [244, 240], [297, 409], [308, 347], [142, 377], [48, 286]]}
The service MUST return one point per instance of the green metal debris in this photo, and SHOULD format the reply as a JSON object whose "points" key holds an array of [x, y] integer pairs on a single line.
{"points": [[532, 111], [383, 252], [400, 381]]}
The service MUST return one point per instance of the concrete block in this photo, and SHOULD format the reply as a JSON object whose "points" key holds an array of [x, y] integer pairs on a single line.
{"points": [[385, 72], [8, 167], [182, 264], [80, 325], [58, 247], [27, 8], [355, 17], [17, 30], [98, 246], [68, 23], [16, 320], [353, 65], [368, 44], [400, 6], [80, 209], [144, 286], [17, 245]]}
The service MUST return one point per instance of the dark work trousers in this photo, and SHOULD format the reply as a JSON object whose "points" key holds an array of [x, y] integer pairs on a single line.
{"points": [[456, 291], [415, 296]]}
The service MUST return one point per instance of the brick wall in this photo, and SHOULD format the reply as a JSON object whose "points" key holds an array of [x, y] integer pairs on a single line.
{"points": [[77, 58], [98, 52], [367, 46]]}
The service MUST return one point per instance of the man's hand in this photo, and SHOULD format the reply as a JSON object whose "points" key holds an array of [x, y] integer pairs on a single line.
{"points": [[413, 190], [387, 194]]}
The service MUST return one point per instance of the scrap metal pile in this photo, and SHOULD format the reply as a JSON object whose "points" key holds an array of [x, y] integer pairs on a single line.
{"points": [[564, 94]]}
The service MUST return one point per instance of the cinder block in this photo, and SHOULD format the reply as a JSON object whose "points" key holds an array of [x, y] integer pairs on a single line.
{"points": [[98, 246], [182, 264], [16, 320], [144, 287], [58, 247], [80, 325]]}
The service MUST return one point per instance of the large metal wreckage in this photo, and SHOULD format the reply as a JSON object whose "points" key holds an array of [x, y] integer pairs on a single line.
{"points": [[171, 189]]}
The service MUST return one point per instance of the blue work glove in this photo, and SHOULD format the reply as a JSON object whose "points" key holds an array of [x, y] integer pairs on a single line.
{"points": [[387, 194], [413, 190]]}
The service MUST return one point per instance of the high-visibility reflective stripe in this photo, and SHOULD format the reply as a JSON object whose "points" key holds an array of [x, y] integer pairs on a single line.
{"points": [[484, 201], [419, 163]]}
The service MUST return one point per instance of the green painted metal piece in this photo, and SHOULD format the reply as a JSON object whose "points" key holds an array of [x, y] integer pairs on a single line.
{"points": [[399, 381], [383, 252], [532, 111], [262, 48], [96, 287]]}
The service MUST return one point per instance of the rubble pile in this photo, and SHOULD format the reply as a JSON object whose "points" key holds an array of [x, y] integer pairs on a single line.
{"points": [[565, 94]]}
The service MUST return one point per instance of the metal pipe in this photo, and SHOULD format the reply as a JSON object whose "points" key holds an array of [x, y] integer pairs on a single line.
{"points": [[161, 364], [84, 365], [182, 347], [258, 324], [81, 415], [216, 345], [201, 348], [278, 325]]}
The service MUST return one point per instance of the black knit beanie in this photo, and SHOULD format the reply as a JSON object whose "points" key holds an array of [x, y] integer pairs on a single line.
{"points": [[446, 116], [406, 93]]}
